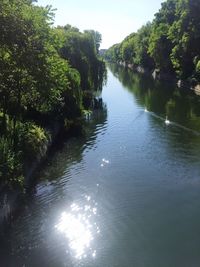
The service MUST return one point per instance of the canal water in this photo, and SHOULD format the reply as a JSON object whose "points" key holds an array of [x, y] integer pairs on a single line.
{"points": [[125, 195]]}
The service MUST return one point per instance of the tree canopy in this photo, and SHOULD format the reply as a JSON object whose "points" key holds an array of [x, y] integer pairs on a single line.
{"points": [[170, 43], [44, 72]]}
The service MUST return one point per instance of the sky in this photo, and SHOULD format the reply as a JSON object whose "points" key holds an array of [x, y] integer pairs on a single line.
{"points": [[114, 19]]}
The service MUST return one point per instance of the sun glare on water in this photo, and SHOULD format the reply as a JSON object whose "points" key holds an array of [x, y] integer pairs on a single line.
{"points": [[79, 228]]}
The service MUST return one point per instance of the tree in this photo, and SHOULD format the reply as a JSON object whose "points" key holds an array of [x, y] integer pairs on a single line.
{"points": [[160, 46], [42, 70], [185, 36], [96, 37]]}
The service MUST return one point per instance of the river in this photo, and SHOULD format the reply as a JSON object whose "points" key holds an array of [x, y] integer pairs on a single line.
{"points": [[127, 194]]}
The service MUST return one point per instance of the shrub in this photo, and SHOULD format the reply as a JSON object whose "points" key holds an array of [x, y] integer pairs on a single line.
{"points": [[33, 141], [10, 164]]}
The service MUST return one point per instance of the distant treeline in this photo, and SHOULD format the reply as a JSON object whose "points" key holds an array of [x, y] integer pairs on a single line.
{"points": [[170, 44], [47, 76]]}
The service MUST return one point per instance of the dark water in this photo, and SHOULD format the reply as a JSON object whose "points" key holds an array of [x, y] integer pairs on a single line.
{"points": [[127, 195]]}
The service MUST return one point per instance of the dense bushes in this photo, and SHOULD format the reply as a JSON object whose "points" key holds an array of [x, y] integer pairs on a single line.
{"points": [[33, 141], [10, 164], [23, 145]]}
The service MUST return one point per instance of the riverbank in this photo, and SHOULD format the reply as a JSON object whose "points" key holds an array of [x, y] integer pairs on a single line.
{"points": [[12, 197], [157, 75]]}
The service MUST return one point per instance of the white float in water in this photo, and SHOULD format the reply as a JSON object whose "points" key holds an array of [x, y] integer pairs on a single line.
{"points": [[167, 121], [106, 161]]}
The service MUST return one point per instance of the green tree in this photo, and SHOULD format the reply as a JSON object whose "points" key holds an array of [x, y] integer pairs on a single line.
{"points": [[96, 37], [160, 46], [42, 70], [185, 36]]}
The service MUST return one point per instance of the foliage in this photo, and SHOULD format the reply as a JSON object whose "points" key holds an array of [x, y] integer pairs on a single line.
{"points": [[113, 53], [10, 164], [33, 141], [185, 35], [170, 43], [81, 50], [43, 73]]}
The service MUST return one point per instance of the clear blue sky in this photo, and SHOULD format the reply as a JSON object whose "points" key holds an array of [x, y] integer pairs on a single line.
{"points": [[114, 19]]}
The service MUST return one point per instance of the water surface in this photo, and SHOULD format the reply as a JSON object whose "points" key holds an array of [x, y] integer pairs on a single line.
{"points": [[128, 194]]}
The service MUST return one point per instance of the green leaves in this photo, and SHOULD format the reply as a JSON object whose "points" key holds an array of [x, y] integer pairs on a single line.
{"points": [[81, 50], [170, 43], [43, 71]]}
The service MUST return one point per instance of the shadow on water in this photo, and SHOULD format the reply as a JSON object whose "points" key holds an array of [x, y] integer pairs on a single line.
{"points": [[51, 182], [164, 100], [73, 149], [161, 97]]}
